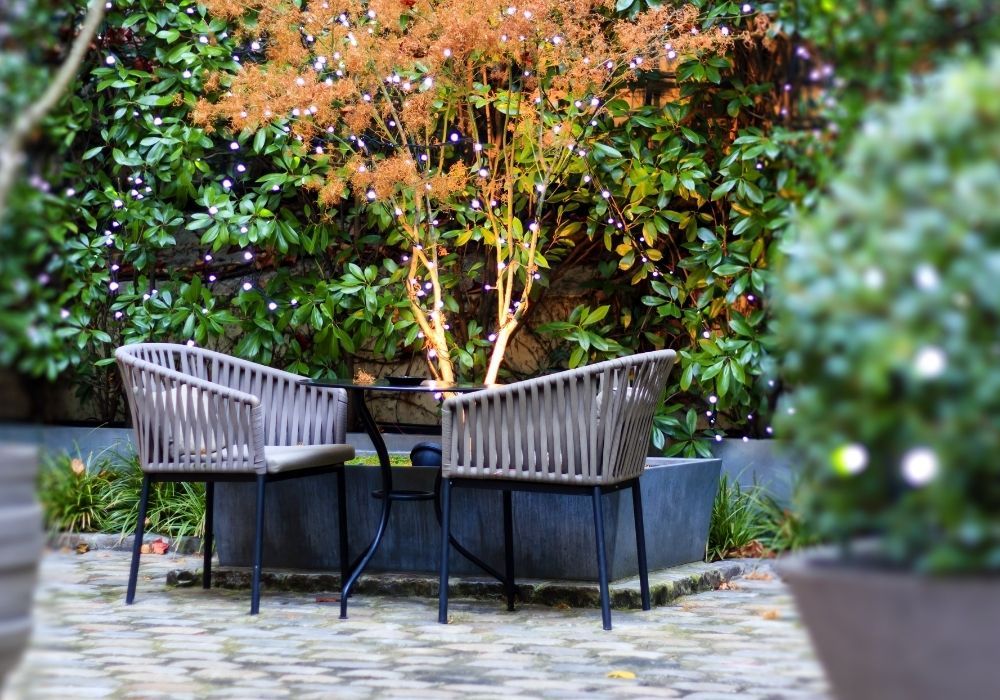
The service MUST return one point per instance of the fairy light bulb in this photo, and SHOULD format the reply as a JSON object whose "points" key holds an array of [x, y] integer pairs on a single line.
{"points": [[271, 306], [247, 286], [920, 466]]}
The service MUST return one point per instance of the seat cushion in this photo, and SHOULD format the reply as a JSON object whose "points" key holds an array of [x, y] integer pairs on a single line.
{"points": [[286, 459]]}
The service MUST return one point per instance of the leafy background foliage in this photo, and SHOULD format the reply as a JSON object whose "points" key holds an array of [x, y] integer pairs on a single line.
{"points": [[709, 162]]}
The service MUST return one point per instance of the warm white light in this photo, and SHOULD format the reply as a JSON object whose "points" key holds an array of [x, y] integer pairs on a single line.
{"points": [[920, 466], [930, 362]]}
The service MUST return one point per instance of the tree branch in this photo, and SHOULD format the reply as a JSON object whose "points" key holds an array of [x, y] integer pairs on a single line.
{"points": [[12, 143]]}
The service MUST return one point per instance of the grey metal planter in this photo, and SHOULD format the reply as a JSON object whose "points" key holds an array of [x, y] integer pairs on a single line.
{"points": [[21, 542], [301, 527], [892, 635], [758, 462]]}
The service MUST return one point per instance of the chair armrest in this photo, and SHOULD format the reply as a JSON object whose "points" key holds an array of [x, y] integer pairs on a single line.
{"points": [[293, 413], [589, 425], [187, 424]]}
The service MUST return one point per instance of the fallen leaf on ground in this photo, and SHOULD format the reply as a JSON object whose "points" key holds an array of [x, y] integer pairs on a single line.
{"points": [[759, 576], [770, 614], [727, 586], [626, 675], [159, 546], [145, 549], [754, 550], [82, 548], [327, 599], [77, 466], [561, 606]]}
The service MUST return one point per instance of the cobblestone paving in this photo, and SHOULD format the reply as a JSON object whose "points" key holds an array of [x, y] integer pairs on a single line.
{"points": [[741, 642]]}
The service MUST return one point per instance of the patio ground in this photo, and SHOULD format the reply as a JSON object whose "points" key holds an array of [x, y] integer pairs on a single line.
{"points": [[743, 641]]}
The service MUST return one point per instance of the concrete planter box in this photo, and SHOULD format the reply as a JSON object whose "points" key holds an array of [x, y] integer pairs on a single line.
{"points": [[21, 542], [301, 529], [554, 535], [894, 635], [758, 461]]}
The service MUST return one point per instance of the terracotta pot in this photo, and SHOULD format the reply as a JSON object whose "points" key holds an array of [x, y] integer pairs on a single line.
{"points": [[886, 635], [21, 541]]}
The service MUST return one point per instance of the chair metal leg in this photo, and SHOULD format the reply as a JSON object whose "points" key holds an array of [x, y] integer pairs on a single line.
{"points": [[602, 559], [640, 543], [508, 548], [342, 525], [140, 527], [445, 551], [209, 539], [258, 546]]}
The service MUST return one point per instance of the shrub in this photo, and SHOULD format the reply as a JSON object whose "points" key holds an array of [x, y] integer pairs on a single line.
{"points": [[734, 526], [752, 522], [889, 311], [101, 494], [71, 491]]}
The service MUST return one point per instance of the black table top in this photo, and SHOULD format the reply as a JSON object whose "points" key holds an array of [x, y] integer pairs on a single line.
{"points": [[428, 386]]}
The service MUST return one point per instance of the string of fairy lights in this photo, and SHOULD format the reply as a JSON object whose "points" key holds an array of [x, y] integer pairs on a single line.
{"points": [[244, 267]]}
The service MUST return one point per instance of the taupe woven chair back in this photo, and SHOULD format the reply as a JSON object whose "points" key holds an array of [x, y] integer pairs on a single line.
{"points": [[197, 410], [585, 426]]}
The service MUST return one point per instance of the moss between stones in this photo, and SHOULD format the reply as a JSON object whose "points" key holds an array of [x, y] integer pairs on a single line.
{"points": [[665, 586]]}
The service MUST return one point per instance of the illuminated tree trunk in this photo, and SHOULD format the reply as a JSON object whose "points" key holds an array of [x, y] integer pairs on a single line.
{"points": [[499, 350]]}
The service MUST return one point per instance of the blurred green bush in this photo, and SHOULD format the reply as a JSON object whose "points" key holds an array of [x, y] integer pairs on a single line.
{"points": [[889, 315]]}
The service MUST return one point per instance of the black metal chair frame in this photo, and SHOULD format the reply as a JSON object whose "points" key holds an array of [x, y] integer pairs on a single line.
{"points": [[507, 486], [262, 480]]}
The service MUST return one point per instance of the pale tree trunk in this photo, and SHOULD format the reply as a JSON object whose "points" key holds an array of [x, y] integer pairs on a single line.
{"points": [[12, 141], [497, 355]]}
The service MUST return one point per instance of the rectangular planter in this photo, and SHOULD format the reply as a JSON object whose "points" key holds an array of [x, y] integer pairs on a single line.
{"points": [[553, 534]]}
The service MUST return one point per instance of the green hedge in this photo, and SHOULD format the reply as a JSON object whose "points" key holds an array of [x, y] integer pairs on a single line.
{"points": [[109, 235]]}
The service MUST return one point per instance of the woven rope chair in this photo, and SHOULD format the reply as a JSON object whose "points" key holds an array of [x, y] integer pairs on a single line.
{"points": [[203, 416], [582, 432]]}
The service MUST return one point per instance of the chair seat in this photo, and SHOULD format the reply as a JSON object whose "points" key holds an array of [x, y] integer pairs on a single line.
{"points": [[292, 458]]}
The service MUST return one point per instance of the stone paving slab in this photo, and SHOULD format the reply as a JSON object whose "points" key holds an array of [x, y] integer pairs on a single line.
{"points": [[742, 640]]}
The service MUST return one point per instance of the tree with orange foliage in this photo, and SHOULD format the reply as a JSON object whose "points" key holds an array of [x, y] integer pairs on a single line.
{"points": [[460, 123]]}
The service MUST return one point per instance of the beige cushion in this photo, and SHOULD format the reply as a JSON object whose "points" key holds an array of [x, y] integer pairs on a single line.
{"points": [[286, 459]]}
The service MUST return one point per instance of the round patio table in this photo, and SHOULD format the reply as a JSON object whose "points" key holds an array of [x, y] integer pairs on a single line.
{"points": [[387, 493]]}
